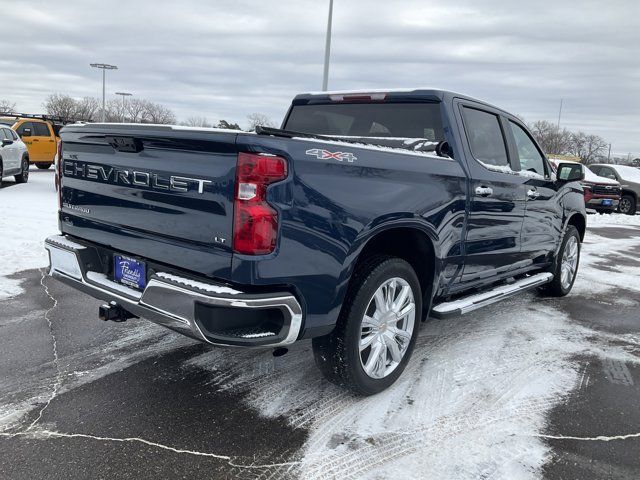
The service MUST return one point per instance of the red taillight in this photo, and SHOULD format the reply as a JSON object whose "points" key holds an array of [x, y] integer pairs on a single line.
{"points": [[255, 224], [58, 174]]}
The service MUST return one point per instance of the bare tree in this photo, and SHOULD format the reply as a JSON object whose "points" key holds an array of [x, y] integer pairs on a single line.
{"points": [[197, 122], [259, 119], [136, 109], [7, 106], [87, 108], [552, 140], [156, 113], [587, 147], [61, 105], [114, 111]]}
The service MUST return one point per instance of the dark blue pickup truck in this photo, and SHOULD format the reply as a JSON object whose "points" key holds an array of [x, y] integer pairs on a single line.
{"points": [[362, 216]]}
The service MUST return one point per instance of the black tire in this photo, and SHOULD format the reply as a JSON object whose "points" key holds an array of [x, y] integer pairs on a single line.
{"points": [[338, 354], [43, 166], [24, 176], [556, 288], [627, 205]]}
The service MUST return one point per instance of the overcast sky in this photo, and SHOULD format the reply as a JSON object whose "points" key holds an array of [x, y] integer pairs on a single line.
{"points": [[228, 58]]}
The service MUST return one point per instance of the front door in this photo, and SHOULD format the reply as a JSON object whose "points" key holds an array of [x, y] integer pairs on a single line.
{"points": [[542, 227], [27, 134], [497, 197]]}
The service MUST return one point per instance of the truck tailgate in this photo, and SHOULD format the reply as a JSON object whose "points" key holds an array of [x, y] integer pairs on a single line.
{"points": [[158, 192]]}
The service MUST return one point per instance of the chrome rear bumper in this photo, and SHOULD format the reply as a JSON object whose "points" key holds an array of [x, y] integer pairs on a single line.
{"points": [[180, 303]]}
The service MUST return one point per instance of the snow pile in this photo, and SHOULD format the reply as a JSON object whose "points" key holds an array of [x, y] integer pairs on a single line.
{"points": [[28, 214], [604, 219]]}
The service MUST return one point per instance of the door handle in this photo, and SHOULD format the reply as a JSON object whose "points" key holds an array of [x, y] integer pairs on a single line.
{"points": [[484, 191], [35, 140], [533, 193]]}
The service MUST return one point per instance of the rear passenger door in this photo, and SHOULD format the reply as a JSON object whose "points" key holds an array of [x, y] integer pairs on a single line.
{"points": [[542, 226], [43, 141], [496, 197]]}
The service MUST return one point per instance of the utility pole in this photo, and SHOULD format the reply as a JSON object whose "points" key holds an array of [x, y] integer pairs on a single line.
{"points": [[559, 114], [103, 67], [327, 49], [123, 94], [609, 155]]}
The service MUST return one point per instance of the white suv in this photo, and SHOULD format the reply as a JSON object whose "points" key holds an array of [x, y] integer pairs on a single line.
{"points": [[14, 158]]}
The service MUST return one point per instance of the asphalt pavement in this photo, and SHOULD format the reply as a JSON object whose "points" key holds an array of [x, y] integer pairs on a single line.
{"points": [[81, 398]]}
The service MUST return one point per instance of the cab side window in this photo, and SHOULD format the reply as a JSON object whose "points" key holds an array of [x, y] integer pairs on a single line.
{"points": [[607, 173], [41, 130], [5, 134], [531, 159], [25, 126], [485, 137]]}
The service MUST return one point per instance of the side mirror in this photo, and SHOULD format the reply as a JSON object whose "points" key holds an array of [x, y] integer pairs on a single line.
{"points": [[6, 142], [443, 149], [26, 132], [570, 172]]}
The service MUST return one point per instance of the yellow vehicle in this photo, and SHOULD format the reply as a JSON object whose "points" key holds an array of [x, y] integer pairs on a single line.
{"points": [[39, 134]]}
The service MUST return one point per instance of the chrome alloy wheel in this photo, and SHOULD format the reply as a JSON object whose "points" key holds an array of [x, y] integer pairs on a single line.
{"points": [[387, 327], [625, 205], [569, 262]]}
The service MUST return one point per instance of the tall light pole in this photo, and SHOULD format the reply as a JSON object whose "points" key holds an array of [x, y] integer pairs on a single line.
{"points": [[560, 113], [327, 49], [123, 94], [104, 67]]}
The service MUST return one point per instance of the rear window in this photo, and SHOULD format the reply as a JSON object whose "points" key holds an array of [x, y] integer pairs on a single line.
{"points": [[404, 120], [485, 137]]}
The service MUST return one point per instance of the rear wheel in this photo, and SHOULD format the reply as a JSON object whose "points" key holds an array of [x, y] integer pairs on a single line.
{"points": [[627, 205], [377, 329], [43, 166], [566, 264], [23, 176]]}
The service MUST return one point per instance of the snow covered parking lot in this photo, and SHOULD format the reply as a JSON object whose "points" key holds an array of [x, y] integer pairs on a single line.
{"points": [[530, 388]]}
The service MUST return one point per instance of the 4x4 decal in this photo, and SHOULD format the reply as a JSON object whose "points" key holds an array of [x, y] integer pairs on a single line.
{"points": [[326, 154]]}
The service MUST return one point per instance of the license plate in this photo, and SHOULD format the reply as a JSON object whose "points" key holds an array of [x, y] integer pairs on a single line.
{"points": [[129, 272], [607, 202]]}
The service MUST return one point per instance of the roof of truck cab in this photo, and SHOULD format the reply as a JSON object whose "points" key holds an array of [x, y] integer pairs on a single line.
{"points": [[423, 93]]}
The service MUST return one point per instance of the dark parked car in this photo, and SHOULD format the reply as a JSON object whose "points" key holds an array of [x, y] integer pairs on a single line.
{"points": [[629, 178], [362, 216]]}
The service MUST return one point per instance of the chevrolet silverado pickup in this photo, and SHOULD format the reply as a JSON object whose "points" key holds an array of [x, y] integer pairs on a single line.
{"points": [[363, 215], [629, 179]]}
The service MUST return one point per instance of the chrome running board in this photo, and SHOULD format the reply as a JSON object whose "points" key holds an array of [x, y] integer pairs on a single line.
{"points": [[473, 302]]}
